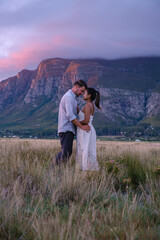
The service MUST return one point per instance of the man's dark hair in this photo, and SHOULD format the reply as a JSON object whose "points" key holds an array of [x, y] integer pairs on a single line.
{"points": [[80, 83]]}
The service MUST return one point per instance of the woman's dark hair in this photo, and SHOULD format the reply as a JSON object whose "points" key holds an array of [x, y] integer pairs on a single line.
{"points": [[94, 96], [80, 83]]}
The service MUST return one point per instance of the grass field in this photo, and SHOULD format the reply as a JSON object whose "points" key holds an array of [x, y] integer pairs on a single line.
{"points": [[120, 201]]}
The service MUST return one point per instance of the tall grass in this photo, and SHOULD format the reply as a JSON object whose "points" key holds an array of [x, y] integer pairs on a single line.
{"points": [[121, 201]]}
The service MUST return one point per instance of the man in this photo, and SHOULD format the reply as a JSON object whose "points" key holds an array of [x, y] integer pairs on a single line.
{"points": [[67, 119]]}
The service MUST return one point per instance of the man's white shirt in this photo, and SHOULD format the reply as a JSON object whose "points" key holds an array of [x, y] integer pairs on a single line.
{"points": [[67, 112]]}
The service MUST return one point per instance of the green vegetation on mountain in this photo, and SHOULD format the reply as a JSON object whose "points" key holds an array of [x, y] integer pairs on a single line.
{"points": [[130, 93]]}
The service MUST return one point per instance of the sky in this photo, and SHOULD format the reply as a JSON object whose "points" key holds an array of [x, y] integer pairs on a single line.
{"points": [[34, 30]]}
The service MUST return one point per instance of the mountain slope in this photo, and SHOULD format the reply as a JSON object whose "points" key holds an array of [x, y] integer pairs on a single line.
{"points": [[129, 92]]}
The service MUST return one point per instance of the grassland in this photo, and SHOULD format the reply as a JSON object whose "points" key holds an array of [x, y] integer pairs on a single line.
{"points": [[120, 201]]}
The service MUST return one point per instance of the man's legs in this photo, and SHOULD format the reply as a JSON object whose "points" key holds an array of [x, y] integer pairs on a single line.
{"points": [[66, 140]]}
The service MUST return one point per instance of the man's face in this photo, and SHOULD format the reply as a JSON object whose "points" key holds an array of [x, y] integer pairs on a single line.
{"points": [[80, 91]]}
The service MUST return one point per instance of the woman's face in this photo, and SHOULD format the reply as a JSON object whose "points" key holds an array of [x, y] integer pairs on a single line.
{"points": [[86, 96]]}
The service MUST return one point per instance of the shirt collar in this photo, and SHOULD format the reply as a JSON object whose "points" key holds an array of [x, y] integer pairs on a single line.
{"points": [[72, 93]]}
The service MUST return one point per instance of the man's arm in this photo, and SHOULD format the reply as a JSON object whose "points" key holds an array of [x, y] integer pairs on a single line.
{"points": [[83, 127], [71, 116]]}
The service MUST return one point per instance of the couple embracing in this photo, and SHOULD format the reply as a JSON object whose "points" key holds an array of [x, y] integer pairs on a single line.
{"points": [[70, 119]]}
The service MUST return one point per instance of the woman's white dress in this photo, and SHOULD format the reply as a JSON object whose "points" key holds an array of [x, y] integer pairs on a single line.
{"points": [[86, 155]]}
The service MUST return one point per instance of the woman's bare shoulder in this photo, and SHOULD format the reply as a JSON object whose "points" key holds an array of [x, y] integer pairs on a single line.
{"points": [[88, 107], [85, 108]]}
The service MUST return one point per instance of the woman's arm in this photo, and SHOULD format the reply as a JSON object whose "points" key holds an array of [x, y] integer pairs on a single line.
{"points": [[76, 122], [87, 113]]}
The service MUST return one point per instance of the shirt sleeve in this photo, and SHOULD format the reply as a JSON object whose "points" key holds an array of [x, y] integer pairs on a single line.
{"points": [[70, 108]]}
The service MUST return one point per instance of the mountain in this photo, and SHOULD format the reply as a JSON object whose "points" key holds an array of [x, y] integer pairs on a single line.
{"points": [[129, 88]]}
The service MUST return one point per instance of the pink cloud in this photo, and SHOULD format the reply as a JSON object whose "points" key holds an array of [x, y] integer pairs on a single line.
{"points": [[30, 54], [18, 59]]}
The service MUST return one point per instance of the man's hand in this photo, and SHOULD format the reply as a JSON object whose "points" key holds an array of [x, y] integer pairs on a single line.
{"points": [[86, 128], [83, 127]]}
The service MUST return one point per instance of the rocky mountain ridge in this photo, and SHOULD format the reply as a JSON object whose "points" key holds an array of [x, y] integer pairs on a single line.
{"points": [[129, 88]]}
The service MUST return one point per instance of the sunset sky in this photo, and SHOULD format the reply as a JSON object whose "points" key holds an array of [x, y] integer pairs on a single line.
{"points": [[33, 30]]}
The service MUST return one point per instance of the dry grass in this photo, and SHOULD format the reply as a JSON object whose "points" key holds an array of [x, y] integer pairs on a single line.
{"points": [[121, 201]]}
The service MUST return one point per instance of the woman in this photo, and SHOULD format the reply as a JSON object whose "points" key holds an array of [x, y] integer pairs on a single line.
{"points": [[86, 141]]}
